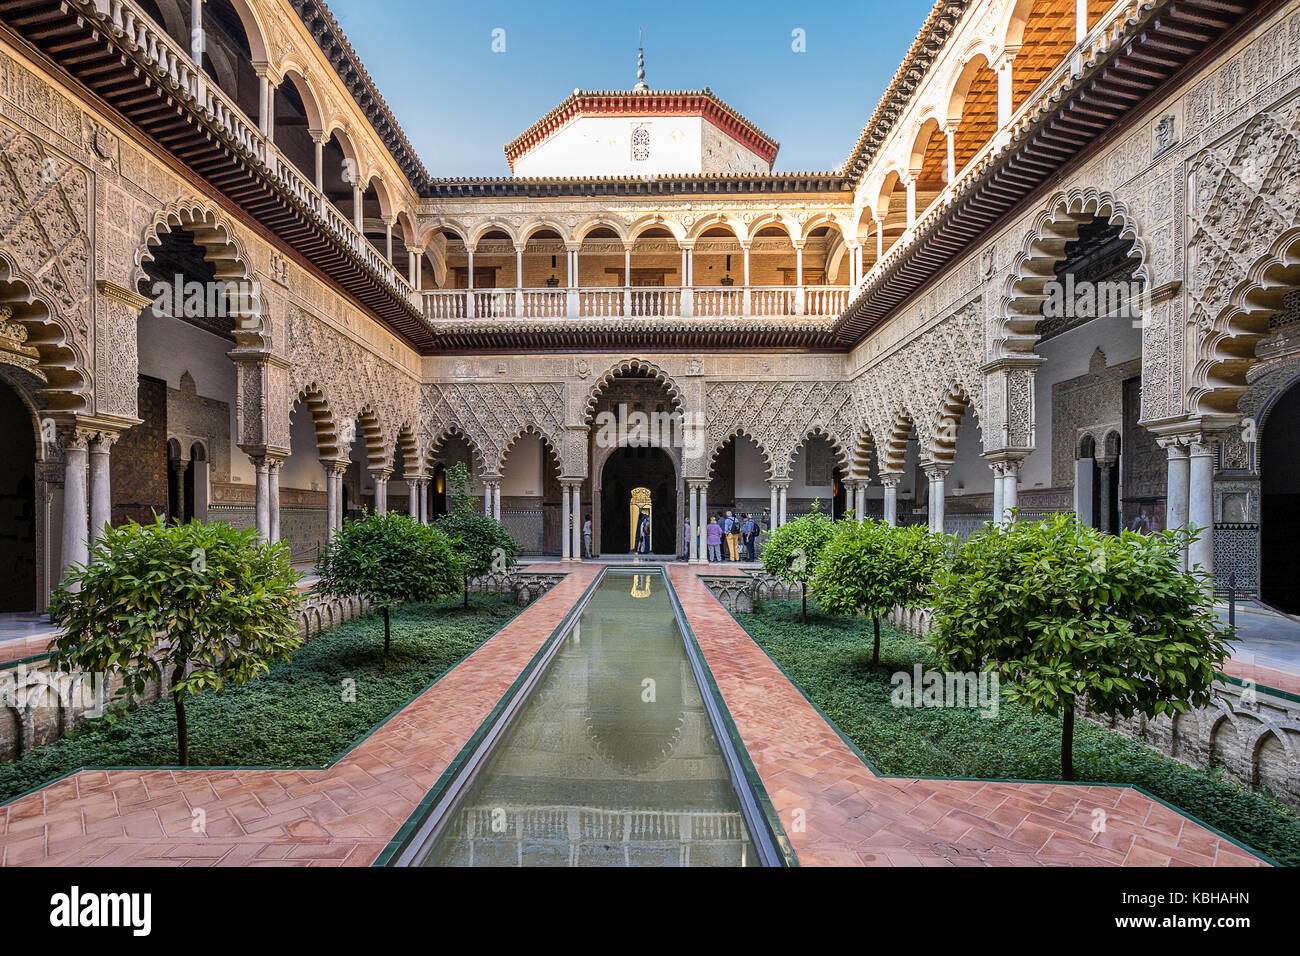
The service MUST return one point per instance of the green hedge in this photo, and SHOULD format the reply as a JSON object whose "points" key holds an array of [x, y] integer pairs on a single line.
{"points": [[830, 659], [295, 715]]}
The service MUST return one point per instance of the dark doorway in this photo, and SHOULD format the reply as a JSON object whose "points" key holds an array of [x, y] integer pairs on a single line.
{"points": [[626, 470], [1279, 472], [17, 505], [438, 493]]}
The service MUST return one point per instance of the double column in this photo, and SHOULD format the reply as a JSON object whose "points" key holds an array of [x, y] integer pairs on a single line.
{"points": [[938, 477], [778, 490], [890, 512], [266, 467], [571, 519], [1190, 496], [334, 472], [1006, 485], [492, 496], [380, 477], [697, 517]]}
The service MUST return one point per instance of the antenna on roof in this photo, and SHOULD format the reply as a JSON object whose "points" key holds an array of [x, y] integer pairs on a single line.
{"points": [[641, 86]]}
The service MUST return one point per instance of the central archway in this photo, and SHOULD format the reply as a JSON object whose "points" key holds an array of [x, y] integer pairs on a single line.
{"points": [[626, 470]]}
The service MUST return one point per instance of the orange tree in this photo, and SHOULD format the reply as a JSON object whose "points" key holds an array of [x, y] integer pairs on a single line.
{"points": [[204, 603], [1065, 612]]}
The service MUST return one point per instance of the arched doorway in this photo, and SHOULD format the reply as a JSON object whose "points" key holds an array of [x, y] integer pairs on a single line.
{"points": [[625, 471], [1279, 472], [17, 505]]}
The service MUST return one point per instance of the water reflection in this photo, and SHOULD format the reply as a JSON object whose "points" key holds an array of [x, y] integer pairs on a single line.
{"points": [[612, 761]]}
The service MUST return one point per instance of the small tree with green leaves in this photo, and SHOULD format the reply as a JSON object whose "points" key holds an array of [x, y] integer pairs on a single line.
{"points": [[389, 559], [793, 550], [483, 544], [870, 567], [1067, 613], [204, 603]]}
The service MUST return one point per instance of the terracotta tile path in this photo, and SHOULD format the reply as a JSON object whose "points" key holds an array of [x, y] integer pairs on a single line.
{"points": [[346, 814]]}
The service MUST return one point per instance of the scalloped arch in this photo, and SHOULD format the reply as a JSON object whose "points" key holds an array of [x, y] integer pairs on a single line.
{"points": [[621, 368], [1034, 266]]}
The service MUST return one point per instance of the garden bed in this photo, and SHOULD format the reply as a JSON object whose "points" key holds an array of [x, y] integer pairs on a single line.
{"points": [[830, 660], [294, 716]]}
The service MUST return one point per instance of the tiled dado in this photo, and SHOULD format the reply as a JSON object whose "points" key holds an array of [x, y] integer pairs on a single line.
{"points": [[340, 816], [839, 813]]}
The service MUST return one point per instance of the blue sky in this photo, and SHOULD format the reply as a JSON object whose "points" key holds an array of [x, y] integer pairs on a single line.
{"points": [[460, 102]]}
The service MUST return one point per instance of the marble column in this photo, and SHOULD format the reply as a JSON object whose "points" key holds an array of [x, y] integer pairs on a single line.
{"points": [[938, 480], [692, 522], [1200, 503], [381, 489], [998, 511], [861, 505], [772, 511], [577, 521], [413, 498], [101, 496], [263, 489], [703, 528], [566, 534], [487, 498], [496, 501], [273, 466], [75, 544], [783, 488], [891, 499], [334, 471], [1010, 487], [1178, 465]]}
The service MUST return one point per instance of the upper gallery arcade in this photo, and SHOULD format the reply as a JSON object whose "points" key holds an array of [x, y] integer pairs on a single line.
{"points": [[871, 335]]}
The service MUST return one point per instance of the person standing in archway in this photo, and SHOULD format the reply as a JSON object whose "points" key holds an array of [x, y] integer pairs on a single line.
{"points": [[586, 536], [643, 533]]}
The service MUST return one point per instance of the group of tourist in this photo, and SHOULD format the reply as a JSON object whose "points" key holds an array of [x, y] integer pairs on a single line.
{"points": [[729, 537]]}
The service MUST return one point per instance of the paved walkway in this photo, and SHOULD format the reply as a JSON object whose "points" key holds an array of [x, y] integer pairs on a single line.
{"points": [[346, 814]]}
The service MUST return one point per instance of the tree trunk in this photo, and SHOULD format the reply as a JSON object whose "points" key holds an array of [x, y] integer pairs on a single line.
{"points": [[875, 633], [1067, 743], [387, 631], [804, 616], [182, 730], [467, 590]]}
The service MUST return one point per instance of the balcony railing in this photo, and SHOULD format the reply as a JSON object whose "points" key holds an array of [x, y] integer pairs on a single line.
{"points": [[1097, 42], [615, 302], [149, 40]]}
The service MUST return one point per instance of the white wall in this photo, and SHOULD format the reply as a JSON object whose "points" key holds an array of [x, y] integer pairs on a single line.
{"points": [[751, 470], [522, 475], [969, 471], [602, 146], [168, 348], [801, 489], [302, 469]]}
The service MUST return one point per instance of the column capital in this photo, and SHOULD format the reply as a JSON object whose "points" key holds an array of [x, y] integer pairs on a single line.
{"points": [[936, 469], [780, 483], [336, 467], [891, 479], [381, 474]]}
